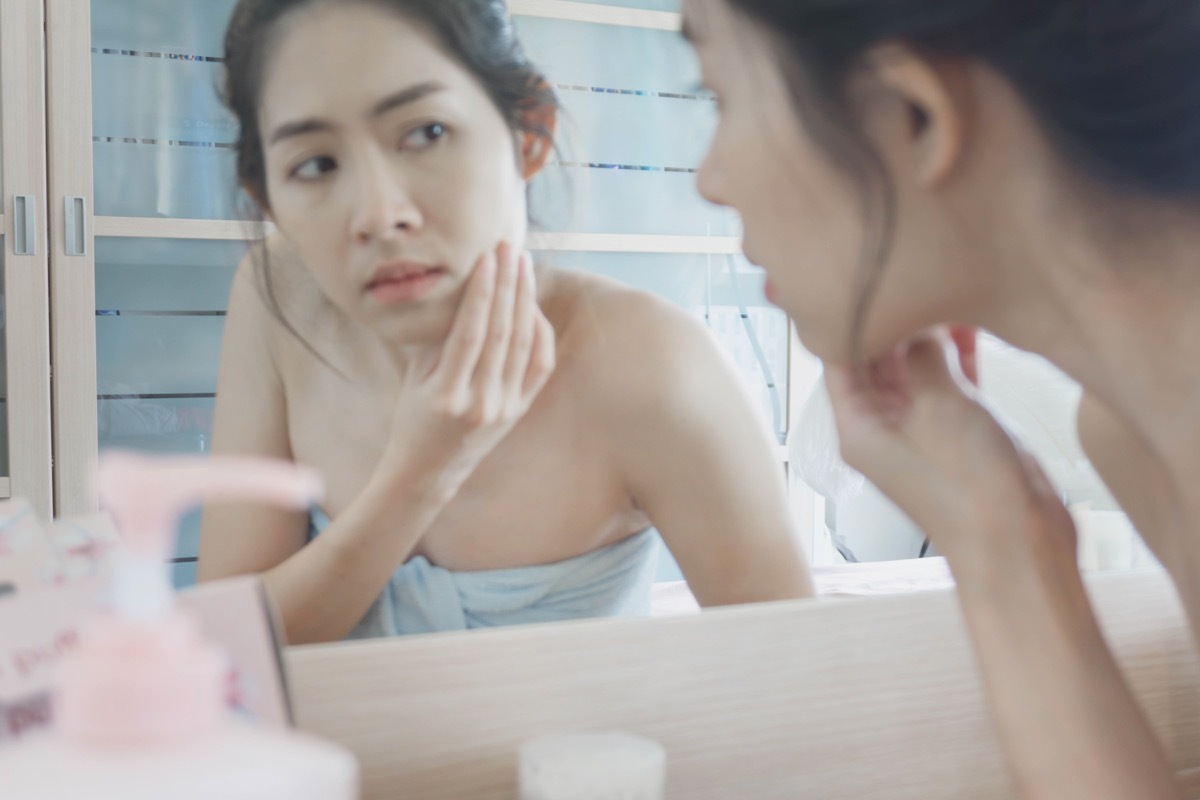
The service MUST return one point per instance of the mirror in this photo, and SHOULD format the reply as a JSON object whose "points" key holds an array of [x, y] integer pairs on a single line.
{"points": [[617, 199]]}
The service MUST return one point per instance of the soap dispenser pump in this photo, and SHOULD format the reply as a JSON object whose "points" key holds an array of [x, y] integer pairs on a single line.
{"points": [[140, 707]]}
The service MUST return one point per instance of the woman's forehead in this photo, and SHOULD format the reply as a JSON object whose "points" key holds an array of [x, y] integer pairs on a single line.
{"points": [[344, 56]]}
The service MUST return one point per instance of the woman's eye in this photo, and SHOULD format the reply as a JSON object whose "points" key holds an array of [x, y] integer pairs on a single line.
{"points": [[424, 135], [314, 168]]}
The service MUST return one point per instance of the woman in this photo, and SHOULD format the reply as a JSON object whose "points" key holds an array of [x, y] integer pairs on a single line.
{"points": [[1032, 169], [496, 447]]}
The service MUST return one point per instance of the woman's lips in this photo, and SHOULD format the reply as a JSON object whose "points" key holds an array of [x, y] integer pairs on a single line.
{"points": [[405, 288]]}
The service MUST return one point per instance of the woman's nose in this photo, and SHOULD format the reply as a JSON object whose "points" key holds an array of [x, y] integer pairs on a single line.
{"points": [[383, 205]]}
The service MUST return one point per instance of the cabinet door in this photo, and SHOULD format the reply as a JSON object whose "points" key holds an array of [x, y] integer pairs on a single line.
{"points": [[25, 425], [147, 176]]}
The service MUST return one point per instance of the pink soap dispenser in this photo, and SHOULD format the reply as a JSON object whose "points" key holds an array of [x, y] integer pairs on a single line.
{"points": [[140, 711]]}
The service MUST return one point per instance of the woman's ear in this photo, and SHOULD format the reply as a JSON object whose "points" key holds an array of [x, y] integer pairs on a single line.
{"points": [[537, 143], [933, 126]]}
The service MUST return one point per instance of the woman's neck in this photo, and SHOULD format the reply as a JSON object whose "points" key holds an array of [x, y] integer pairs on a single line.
{"points": [[1123, 320]]}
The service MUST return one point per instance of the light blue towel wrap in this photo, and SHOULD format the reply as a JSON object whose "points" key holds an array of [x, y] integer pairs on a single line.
{"points": [[614, 581]]}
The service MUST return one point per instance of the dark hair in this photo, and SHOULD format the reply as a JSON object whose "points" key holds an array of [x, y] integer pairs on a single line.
{"points": [[1115, 84], [478, 34]]}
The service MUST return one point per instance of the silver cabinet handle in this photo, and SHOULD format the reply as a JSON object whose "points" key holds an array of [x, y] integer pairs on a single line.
{"points": [[24, 225], [75, 221]]}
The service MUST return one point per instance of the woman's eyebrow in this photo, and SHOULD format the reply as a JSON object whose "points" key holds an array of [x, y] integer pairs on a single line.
{"points": [[390, 103], [406, 96]]}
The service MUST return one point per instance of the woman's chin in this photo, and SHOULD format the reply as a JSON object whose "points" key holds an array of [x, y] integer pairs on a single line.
{"points": [[414, 327], [833, 345]]}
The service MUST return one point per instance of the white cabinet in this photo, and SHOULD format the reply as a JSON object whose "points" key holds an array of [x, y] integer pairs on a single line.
{"points": [[139, 222], [25, 425]]}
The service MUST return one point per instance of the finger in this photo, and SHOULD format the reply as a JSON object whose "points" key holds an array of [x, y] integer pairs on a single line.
{"points": [[869, 441], [934, 376], [935, 367], [878, 390], [965, 341], [463, 344], [940, 408], [896, 412], [856, 411], [888, 383], [880, 448], [950, 424], [500, 325], [928, 366], [542, 360], [520, 348]]}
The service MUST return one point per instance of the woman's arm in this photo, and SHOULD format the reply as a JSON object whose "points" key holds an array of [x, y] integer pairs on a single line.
{"points": [[1068, 722], [1069, 725], [322, 589], [451, 412], [250, 419], [697, 457]]}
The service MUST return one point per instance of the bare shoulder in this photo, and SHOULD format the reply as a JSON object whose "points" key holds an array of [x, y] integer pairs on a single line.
{"points": [[250, 324], [292, 313], [624, 347], [284, 286]]}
